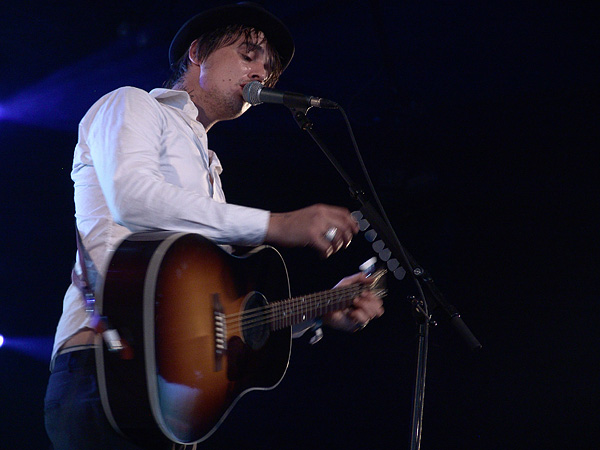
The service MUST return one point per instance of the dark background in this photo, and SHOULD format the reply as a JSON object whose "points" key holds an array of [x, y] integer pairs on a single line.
{"points": [[478, 122]]}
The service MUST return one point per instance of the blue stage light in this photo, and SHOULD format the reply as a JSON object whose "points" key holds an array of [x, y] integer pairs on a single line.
{"points": [[60, 100], [37, 347]]}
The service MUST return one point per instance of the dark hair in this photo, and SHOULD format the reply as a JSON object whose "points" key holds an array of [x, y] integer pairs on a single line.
{"points": [[222, 37]]}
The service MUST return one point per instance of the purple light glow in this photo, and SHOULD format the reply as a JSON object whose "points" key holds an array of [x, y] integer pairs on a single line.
{"points": [[60, 100], [37, 347]]}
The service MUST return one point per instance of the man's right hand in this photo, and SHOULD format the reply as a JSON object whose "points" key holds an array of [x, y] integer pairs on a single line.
{"points": [[309, 227]]}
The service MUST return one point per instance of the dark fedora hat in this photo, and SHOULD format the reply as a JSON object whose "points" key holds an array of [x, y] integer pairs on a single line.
{"points": [[243, 13]]}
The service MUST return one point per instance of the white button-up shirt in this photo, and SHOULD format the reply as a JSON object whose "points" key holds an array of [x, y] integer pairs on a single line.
{"points": [[142, 163]]}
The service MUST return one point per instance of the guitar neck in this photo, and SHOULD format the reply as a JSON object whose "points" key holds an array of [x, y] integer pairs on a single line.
{"points": [[296, 310]]}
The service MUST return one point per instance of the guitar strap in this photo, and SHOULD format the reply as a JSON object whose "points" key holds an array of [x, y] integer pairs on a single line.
{"points": [[82, 282], [184, 447], [99, 323]]}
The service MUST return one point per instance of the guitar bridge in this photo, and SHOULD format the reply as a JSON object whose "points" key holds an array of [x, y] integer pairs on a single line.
{"points": [[220, 332]]}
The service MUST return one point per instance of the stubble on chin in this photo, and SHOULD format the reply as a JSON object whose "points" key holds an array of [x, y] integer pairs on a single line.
{"points": [[222, 106], [229, 106]]}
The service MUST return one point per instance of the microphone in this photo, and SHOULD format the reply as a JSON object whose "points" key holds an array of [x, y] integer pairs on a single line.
{"points": [[255, 93]]}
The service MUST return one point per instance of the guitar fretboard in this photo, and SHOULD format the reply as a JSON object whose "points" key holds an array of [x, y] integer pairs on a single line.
{"points": [[286, 313], [300, 309]]}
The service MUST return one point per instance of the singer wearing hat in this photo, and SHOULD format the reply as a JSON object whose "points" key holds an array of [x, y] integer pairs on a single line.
{"points": [[142, 163]]}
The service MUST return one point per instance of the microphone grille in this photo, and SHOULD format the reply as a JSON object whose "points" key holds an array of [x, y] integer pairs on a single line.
{"points": [[251, 92]]}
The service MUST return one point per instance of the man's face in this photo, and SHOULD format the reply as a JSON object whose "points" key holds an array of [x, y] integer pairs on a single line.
{"points": [[223, 75]]}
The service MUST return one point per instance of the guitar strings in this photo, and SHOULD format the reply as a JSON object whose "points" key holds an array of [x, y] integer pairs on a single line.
{"points": [[314, 299], [264, 315], [265, 318], [294, 305], [288, 311], [276, 313]]}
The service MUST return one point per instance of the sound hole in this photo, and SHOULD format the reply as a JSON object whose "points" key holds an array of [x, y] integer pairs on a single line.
{"points": [[255, 322]]}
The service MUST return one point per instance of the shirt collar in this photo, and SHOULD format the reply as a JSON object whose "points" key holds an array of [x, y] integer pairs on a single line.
{"points": [[181, 100], [177, 99]]}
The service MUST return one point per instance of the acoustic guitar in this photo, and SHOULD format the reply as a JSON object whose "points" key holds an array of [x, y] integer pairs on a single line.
{"points": [[204, 328]]}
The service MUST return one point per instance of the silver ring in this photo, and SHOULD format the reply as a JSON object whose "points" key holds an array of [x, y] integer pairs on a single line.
{"points": [[360, 326], [330, 234]]}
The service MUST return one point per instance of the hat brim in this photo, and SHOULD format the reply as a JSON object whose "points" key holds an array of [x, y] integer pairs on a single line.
{"points": [[245, 13]]}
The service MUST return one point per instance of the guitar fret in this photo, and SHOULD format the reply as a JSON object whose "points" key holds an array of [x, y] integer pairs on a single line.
{"points": [[296, 310], [279, 315], [303, 310]]}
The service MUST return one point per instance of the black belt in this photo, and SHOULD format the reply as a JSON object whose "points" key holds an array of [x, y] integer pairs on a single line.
{"points": [[74, 357]]}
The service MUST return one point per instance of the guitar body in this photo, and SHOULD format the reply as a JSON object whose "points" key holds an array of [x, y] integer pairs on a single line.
{"points": [[165, 292]]}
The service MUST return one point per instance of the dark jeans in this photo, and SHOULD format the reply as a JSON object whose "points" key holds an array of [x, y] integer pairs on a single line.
{"points": [[73, 411]]}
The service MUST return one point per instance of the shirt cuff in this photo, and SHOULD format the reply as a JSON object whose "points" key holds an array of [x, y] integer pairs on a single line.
{"points": [[247, 226]]}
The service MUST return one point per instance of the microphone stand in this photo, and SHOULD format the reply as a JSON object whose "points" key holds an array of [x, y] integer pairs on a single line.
{"points": [[429, 294]]}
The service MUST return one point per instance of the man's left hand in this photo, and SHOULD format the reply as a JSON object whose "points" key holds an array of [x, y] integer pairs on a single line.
{"points": [[366, 307]]}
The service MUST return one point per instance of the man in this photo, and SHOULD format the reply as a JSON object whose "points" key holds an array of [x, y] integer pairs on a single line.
{"points": [[142, 163]]}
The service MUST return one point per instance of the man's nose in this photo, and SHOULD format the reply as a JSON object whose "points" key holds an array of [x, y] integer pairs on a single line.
{"points": [[259, 72]]}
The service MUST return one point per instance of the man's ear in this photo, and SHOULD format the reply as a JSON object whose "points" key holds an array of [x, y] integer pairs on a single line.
{"points": [[193, 53]]}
